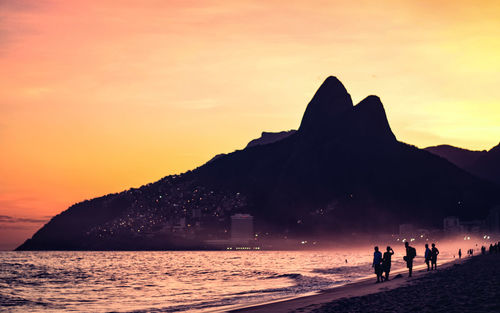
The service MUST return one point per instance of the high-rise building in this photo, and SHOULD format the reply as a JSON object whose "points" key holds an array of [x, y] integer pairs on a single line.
{"points": [[451, 225], [494, 219], [406, 229], [241, 228]]}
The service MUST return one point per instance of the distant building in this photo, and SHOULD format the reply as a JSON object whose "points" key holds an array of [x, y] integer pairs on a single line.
{"points": [[241, 228], [179, 226], [494, 220], [196, 213], [476, 226], [451, 225], [182, 222], [406, 229]]}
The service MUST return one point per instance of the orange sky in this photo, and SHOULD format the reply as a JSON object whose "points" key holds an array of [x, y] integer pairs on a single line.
{"points": [[99, 97]]}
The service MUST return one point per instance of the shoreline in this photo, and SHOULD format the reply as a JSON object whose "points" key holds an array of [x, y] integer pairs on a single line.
{"points": [[358, 288]]}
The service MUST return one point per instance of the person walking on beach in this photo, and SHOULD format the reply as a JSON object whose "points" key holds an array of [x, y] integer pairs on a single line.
{"points": [[459, 253], [377, 259], [427, 256], [434, 256], [411, 253], [386, 262]]}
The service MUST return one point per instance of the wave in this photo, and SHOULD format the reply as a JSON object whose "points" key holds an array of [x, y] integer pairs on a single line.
{"points": [[292, 275], [342, 270]]}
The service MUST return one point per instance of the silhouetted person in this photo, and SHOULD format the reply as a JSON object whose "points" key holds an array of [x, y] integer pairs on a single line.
{"points": [[434, 256], [427, 256], [411, 253], [377, 259], [490, 250], [386, 262], [483, 250], [459, 253]]}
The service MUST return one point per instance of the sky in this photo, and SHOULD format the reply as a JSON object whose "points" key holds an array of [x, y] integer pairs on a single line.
{"points": [[100, 96]]}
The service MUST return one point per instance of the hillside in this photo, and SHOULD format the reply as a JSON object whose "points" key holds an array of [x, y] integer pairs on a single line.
{"points": [[485, 164], [343, 171]]}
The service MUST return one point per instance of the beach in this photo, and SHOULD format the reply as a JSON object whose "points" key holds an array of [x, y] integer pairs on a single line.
{"points": [[466, 285]]}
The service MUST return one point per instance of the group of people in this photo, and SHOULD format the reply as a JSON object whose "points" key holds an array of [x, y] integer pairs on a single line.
{"points": [[382, 263], [494, 248], [470, 252], [431, 256]]}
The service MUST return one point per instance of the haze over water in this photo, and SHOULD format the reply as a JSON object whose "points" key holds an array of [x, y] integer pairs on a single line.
{"points": [[176, 281]]}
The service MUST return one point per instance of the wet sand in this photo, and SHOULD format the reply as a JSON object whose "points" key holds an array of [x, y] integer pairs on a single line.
{"points": [[467, 285]]}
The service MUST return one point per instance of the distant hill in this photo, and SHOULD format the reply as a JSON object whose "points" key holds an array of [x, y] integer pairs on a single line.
{"points": [[270, 137], [485, 164], [458, 156], [343, 171], [488, 165]]}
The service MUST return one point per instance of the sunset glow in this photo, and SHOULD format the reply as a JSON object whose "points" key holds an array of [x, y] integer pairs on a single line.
{"points": [[99, 97]]}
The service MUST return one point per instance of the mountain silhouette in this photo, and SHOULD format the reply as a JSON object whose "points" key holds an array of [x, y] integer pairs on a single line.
{"points": [[485, 164], [270, 137], [458, 156], [343, 171], [488, 165]]}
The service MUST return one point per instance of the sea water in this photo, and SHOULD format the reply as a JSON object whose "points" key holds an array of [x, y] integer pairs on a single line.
{"points": [[193, 281]]}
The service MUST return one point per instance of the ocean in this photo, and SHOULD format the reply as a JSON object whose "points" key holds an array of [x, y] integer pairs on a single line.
{"points": [[193, 281]]}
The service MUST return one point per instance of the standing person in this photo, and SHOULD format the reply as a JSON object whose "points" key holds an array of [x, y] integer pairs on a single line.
{"points": [[428, 253], [411, 253], [386, 262], [459, 253], [434, 256], [377, 259]]}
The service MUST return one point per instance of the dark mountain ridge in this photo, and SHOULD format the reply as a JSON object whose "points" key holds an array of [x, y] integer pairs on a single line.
{"points": [[484, 164], [343, 171], [458, 156], [269, 137], [488, 165]]}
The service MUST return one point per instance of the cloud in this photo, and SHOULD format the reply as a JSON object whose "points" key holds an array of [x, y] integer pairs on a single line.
{"points": [[26, 224], [14, 220], [17, 21], [23, 5]]}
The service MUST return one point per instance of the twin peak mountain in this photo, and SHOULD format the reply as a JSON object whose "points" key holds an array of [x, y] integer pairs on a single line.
{"points": [[343, 171], [331, 113]]}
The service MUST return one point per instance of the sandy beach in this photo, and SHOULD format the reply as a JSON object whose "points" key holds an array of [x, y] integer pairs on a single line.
{"points": [[466, 285]]}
